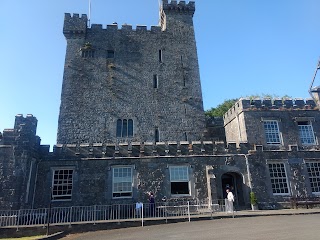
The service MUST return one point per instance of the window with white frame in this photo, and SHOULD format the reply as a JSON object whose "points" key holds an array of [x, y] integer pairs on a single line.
{"points": [[278, 177], [272, 133], [314, 176], [62, 184], [306, 133], [122, 181], [179, 180]]}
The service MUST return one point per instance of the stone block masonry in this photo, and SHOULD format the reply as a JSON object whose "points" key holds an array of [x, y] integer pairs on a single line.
{"points": [[150, 77]]}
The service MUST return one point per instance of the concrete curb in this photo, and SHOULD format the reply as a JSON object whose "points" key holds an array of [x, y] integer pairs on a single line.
{"points": [[52, 236]]}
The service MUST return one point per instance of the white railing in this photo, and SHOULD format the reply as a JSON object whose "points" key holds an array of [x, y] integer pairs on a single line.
{"points": [[108, 213]]}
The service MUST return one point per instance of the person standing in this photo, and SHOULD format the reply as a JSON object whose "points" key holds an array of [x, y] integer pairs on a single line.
{"points": [[229, 201], [151, 204]]}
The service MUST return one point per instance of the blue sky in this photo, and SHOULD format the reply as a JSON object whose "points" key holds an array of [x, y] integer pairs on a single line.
{"points": [[245, 47]]}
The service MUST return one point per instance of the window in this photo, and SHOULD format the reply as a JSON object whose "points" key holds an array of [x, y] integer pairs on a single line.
{"points": [[306, 133], [278, 178], [160, 56], [110, 54], [124, 128], [87, 53], [272, 133], [121, 182], [155, 81], [62, 184], [156, 135], [314, 176], [179, 180]]}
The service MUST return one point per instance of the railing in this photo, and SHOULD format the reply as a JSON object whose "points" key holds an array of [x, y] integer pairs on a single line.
{"points": [[107, 213]]}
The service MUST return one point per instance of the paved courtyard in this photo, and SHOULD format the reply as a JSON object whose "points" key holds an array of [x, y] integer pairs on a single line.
{"points": [[291, 227]]}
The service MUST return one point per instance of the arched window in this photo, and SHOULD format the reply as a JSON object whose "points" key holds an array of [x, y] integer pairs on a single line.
{"points": [[130, 128], [124, 128], [119, 128]]}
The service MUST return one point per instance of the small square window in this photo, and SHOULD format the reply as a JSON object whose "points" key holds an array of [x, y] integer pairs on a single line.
{"points": [[110, 54]]}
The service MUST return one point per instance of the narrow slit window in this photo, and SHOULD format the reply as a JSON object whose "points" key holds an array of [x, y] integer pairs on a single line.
{"points": [[156, 135], [160, 55], [155, 81]]}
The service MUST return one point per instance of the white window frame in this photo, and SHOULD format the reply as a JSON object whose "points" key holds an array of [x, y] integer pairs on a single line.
{"points": [[123, 180], [184, 177], [306, 133], [271, 134], [278, 179], [313, 168], [62, 182]]}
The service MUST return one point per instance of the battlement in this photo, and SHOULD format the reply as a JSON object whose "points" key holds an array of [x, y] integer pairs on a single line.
{"points": [[267, 104], [182, 6], [24, 131], [75, 26], [125, 28], [147, 149]]}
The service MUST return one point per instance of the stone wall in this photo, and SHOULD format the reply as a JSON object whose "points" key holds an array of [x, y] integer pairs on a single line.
{"points": [[19, 154], [99, 90], [244, 121]]}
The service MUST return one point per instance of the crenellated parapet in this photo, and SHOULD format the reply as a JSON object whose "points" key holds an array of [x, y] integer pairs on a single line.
{"points": [[147, 149], [24, 132], [181, 6], [267, 104], [75, 26], [124, 28]]}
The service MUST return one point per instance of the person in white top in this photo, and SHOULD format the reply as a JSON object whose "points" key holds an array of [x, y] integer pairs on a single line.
{"points": [[229, 201]]}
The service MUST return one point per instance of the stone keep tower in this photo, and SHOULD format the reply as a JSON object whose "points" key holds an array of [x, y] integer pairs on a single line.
{"points": [[124, 84]]}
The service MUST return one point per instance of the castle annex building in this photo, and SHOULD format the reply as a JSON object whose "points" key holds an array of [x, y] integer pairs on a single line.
{"points": [[132, 120]]}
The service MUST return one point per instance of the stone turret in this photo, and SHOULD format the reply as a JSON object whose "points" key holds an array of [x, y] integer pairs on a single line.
{"points": [[75, 26], [174, 14]]}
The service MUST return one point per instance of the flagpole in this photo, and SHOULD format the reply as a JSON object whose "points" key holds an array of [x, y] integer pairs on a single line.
{"points": [[89, 15]]}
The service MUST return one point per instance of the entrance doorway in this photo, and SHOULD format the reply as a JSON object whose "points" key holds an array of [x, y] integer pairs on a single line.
{"points": [[234, 182]]}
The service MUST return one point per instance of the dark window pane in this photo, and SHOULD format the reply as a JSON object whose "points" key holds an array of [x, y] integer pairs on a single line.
{"points": [[125, 128], [156, 135], [119, 127], [179, 188], [110, 54], [130, 128]]}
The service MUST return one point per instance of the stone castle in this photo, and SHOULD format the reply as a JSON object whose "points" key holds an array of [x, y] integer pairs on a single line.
{"points": [[132, 121]]}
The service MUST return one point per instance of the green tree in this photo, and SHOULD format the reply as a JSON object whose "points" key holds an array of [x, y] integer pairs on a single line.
{"points": [[221, 109]]}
